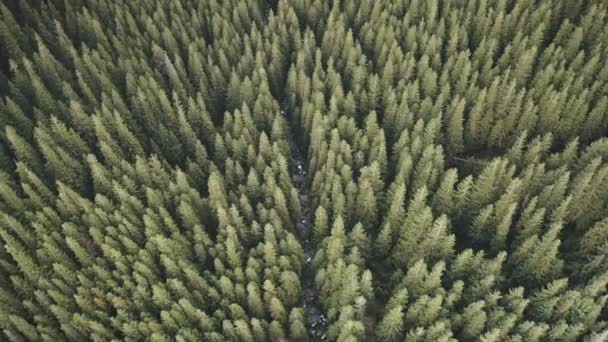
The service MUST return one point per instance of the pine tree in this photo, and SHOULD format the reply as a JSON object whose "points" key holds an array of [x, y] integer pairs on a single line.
{"points": [[297, 329], [146, 194], [455, 127], [474, 318], [391, 326], [366, 201]]}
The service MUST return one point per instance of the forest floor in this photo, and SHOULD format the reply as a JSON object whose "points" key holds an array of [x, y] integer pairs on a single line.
{"points": [[316, 322]]}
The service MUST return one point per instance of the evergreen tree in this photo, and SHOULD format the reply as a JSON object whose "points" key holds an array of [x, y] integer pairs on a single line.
{"points": [[303, 170]]}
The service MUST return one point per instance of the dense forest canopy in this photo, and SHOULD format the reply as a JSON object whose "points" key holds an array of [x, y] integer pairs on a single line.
{"points": [[356, 170]]}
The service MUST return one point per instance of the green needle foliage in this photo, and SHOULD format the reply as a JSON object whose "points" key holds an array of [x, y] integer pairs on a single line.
{"points": [[456, 157]]}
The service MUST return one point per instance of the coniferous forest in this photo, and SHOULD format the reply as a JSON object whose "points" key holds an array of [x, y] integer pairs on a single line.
{"points": [[304, 170]]}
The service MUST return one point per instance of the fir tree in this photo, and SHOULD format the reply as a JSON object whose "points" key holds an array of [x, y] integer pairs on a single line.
{"points": [[202, 172]]}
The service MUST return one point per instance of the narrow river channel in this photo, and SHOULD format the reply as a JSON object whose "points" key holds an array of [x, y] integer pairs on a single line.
{"points": [[316, 322]]}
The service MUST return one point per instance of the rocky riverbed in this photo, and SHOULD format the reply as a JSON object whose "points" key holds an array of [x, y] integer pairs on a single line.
{"points": [[316, 322]]}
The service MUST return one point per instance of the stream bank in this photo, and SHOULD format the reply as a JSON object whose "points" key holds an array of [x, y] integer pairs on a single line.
{"points": [[316, 322]]}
